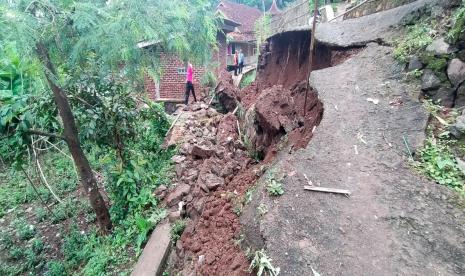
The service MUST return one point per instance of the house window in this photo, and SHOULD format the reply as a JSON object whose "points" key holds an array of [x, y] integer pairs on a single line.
{"points": [[181, 70]]}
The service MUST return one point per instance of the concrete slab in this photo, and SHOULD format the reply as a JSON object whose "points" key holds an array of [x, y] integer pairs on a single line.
{"points": [[153, 258]]}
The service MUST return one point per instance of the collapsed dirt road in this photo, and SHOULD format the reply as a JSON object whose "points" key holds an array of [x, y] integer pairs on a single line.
{"points": [[395, 222]]}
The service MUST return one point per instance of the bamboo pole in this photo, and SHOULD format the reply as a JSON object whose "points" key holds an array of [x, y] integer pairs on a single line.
{"points": [[312, 49]]}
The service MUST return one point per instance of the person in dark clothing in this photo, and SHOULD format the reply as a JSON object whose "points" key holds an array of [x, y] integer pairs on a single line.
{"points": [[236, 63], [189, 84], [241, 61]]}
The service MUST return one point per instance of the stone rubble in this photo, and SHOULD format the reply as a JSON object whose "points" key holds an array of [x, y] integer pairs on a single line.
{"points": [[210, 154]]}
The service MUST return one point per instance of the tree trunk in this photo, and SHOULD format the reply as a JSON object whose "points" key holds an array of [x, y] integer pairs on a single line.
{"points": [[72, 139]]}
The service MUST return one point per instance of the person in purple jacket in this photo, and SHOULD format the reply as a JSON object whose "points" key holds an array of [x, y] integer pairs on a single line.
{"points": [[189, 83]]}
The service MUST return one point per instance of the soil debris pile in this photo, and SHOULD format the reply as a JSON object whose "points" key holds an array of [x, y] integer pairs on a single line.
{"points": [[278, 117], [213, 170]]}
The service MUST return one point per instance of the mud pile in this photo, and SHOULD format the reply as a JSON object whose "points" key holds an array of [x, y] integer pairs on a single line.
{"points": [[277, 119], [213, 171]]}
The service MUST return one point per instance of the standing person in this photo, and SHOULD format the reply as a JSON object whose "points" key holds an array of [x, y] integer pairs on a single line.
{"points": [[241, 61], [189, 83], [236, 63]]}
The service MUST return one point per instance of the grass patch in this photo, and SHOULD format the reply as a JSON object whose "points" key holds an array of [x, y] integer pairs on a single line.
{"points": [[176, 230], [417, 38], [32, 237]]}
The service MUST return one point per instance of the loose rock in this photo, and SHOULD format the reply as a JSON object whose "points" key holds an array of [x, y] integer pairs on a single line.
{"points": [[441, 47], [414, 64], [175, 196], [202, 151], [460, 98], [444, 96], [456, 72], [213, 182], [429, 81], [178, 159], [174, 216], [458, 129]]}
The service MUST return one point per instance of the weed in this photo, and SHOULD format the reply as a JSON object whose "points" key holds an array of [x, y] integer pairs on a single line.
{"points": [[176, 230], [238, 209], [31, 259], [24, 230], [437, 161], [415, 74], [262, 263], [457, 32], [64, 210], [436, 64], [249, 195], [55, 268], [37, 245], [90, 217], [262, 209], [41, 214], [432, 108], [7, 240], [239, 240], [275, 188], [16, 253], [74, 247], [418, 37]]}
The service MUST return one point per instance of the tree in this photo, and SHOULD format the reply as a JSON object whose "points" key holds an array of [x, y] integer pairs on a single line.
{"points": [[71, 38]]}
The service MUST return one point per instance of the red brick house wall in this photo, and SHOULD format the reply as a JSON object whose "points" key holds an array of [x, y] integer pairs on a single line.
{"points": [[221, 53], [172, 84]]}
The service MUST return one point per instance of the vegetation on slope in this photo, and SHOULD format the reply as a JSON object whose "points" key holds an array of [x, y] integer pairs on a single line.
{"points": [[71, 110]]}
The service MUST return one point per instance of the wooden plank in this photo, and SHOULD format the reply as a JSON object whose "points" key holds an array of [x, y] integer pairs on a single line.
{"points": [[327, 190]]}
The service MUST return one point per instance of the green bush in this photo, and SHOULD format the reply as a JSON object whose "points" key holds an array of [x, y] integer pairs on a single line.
{"points": [[209, 79]]}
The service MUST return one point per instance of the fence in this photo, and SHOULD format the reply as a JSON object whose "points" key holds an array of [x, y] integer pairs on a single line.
{"points": [[248, 60], [373, 6], [295, 16]]}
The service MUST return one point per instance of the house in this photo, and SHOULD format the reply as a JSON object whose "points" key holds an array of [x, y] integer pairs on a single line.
{"points": [[243, 37], [236, 32]]}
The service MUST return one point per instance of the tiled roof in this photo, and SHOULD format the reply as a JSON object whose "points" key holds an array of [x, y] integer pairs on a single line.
{"points": [[243, 14]]}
